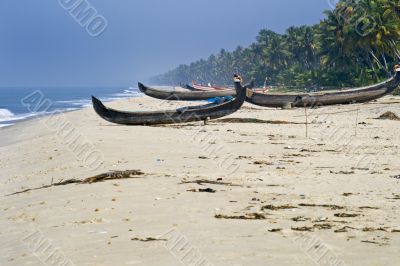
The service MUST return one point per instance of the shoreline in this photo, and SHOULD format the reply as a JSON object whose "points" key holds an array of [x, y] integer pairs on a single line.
{"points": [[331, 188]]}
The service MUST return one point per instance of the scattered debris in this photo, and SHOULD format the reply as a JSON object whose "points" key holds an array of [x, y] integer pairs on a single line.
{"points": [[389, 116], [247, 216], [148, 239], [396, 176], [211, 182], [208, 190], [371, 242], [300, 219], [303, 229], [254, 121], [333, 207], [289, 148], [341, 230], [321, 219], [307, 150], [342, 172], [275, 230], [262, 163], [360, 168], [114, 175], [346, 215], [275, 208], [322, 226], [368, 207]]}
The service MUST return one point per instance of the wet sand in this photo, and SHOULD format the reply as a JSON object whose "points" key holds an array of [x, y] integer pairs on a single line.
{"points": [[251, 190]]}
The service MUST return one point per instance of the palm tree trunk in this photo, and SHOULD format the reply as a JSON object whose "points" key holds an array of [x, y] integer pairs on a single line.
{"points": [[371, 64], [379, 62], [394, 48]]}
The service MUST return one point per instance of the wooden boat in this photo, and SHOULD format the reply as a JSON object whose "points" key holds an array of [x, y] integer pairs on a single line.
{"points": [[345, 96], [185, 95], [201, 87], [348, 96], [181, 115]]}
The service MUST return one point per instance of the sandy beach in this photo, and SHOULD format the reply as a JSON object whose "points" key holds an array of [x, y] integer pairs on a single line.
{"points": [[260, 187]]}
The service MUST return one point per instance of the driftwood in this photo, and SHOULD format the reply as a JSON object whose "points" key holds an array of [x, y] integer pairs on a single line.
{"points": [[211, 182], [114, 175]]}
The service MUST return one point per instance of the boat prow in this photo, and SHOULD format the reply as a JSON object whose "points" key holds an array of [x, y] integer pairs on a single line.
{"points": [[181, 115]]}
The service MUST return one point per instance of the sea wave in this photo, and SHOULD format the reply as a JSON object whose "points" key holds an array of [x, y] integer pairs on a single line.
{"points": [[5, 125], [131, 92], [5, 114], [82, 103], [8, 118]]}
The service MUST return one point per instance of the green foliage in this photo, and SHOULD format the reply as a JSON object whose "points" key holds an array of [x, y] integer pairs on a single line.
{"points": [[356, 44]]}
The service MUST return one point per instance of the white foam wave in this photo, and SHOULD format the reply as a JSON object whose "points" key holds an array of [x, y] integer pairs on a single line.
{"points": [[82, 102], [7, 118], [131, 92], [19, 117], [5, 113], [5, 125]]}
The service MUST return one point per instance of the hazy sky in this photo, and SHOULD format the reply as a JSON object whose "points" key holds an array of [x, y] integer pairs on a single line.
{"points": [[41, 44]]}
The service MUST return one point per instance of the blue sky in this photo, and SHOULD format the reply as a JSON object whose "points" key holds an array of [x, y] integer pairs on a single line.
{"points": [[41, 44]]}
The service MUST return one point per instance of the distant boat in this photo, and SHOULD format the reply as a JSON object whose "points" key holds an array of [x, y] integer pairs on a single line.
{"points": [[344, 96], [347, 96], [181, 115], [185, 95], [195, 86]]}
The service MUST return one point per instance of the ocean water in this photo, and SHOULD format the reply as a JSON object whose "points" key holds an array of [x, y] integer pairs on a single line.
{"points": [[12, 110]]}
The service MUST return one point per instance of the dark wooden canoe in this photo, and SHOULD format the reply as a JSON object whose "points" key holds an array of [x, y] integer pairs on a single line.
{"points": [[356, 95], [184, 95], [181, 115], [345, 96]]}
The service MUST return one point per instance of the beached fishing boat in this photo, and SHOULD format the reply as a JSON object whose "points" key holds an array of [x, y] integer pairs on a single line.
{"points": [[197, 86], [181, 115], [184, 95], [346, 96]]}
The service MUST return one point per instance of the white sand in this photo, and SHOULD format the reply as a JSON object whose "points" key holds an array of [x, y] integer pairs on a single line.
{"points": [[272, 164]]}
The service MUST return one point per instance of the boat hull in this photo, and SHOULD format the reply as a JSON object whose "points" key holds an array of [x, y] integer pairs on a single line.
{"points": [[185, 95], [181, 115], [358, 95]]}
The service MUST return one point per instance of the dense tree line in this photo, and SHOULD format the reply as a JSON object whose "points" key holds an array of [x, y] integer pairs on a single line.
{"points": [[356, 44]]}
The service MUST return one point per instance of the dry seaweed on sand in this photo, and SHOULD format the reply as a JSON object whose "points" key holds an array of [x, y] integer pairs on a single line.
{"points": [[374, 242], [275, 208], [275, 230], [330, 206], [346, 215], [368, 207], [211, 182], [389, 116], [255, 121], [365, 229], [247, 216], [300, 219], [303, 229], [114, 175], [261, 162], [342, 172], [323, 226], [208, 190], [147, 239]]}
